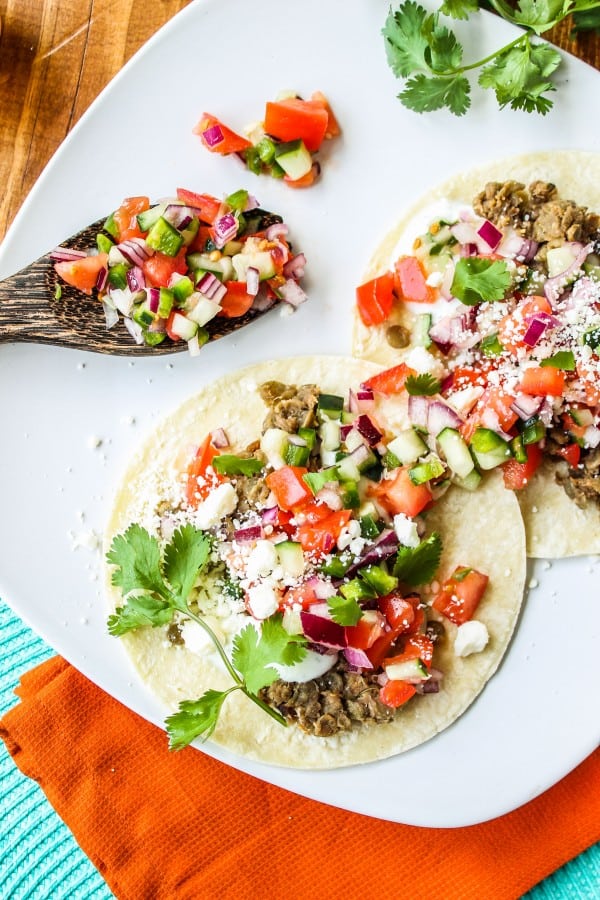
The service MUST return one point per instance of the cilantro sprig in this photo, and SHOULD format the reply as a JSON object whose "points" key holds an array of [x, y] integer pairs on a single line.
{"points": [[478, 280], [417, 565], [156, 586], [427, 54], [424, 385]]}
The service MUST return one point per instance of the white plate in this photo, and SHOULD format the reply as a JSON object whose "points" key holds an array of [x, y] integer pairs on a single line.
{"points": [[534, 722]]}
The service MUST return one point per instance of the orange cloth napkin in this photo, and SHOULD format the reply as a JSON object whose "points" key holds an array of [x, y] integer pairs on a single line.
{"points": [[182, 826]]}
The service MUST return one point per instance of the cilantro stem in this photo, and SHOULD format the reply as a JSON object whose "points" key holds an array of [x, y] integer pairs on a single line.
{"points": [[239, 682], [523, 38], [264, 706]]}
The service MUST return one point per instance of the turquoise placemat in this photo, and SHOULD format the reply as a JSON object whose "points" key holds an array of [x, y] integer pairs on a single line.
{"points": [[39, 858]]}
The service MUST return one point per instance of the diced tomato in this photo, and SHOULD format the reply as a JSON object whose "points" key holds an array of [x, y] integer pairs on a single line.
{"points": [[288, 486], [396, 693], [231, 142], [333, 128], [571, 426], [321, 537], [417, 646], [411, 282], [82, 273], [125, 217], [282, 522], [572, 454], [542, 381], [304, 180], [195, 490], [390, 381], [209, 206], [399, 495], [499, 402], [237, 301], [400, 613], [294, 119], [465, 376], [517, 475], [375, 298], [460, 595], [513, 326], [159, 268], [303, 594], [368, 630], [198, 243]]}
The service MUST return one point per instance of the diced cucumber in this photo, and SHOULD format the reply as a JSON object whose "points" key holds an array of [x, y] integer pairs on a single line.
{"points": [[349, 494], [352, 466], [291, 558], [142, 314], [533, 431], [425, 471], [353, 440], [262, 260], [456, 452], [470, 483], [294, 159], [166, 299], [183, 327], [203, 310], [153, 338], [583, 417], [296, 454], [407, 446], [517, 447], [368, 525], [182, 289], [164, 238], [329, 432], [489, 449], [420, 331], [201, 262], [147, 218], [558, 259], [117, 276], [309, 435], [411, 670], [189, 233], [330, 406], [111, 226]]}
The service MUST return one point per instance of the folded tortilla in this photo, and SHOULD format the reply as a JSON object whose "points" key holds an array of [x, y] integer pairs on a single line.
{"points": [[555, 526], [174, 673]]}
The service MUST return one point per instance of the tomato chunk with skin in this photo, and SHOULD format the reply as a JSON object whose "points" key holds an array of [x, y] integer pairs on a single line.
{"points": [[237, 301], [543, 381], [321, 537], [295, 119], [390, 381], [460, 595], [572, 454], [208, 206], [396, 693], [516, 474], [230, 141], [399, 495], [367, 630], [196, 491], [514, 325], [411, 282], [288, 486], [82, 273], [375, 298], [417, 646], [125, 217], [159, 268]]}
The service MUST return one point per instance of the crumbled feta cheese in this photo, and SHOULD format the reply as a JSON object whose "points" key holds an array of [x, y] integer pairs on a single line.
{"points": [[312, 666], [471, 637], [464, 401], [406, 530], [219, 503], [435, 279], [261, 560], [273, 444], [423, 362], [262, 600], [348, 534]]}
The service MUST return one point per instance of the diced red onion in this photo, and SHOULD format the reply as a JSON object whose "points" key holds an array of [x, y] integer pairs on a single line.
{"points": [[352, 401], [441, 416], [263, 300], [526, 406], [153, 299], [251, 533], [294, 267], [291, 292], [546, 413], [63, 254], [179, 216], [252, 281], [418, 410], [110, 314], [323, 631], [322, 587], [515, 246], [208, 285], [488, 232], [535, 330], [491, 420], [134, 330], [357, 658], [382, 548], [368, 430], [136, 280], [331, 497], [466, 233], [554, 287], [278, 229], [269, 515], [102, 279], [251, 203], [364, 393], [224, 230], [213, 136], [135, 251], [345, 431], [219, 439], [431, 685]]}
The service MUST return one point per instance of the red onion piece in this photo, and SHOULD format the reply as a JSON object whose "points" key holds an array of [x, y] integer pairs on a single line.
{"points": [[323, 631], [153, 299], [368, 430], [102, 279], [365, 393], [382, 548], [294, 267], [278, 229], [526, 406], [535, 330], [135, 251], [219, 439], [418, 410], [357, 658], [213, 136], [251, 533], [252, 281], [345, 431], [291, 292], [269, 515], [179, 216], [224, 230], [208, 285], [555, 286], [62, 254], [322, 587], [110, 314], [330, 496], [488, 232], [136, 280], [441, 416]]}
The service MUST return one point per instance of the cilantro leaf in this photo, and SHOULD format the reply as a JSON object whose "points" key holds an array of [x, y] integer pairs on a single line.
{"points": [[540, 15], [519, 76], [443, 50], [417, 565], [459, 9], [136, 555], [254, 654], [424, 385], [184, 557], [195, 718], [405, 43], [586, 20], [140, 610], [477, 280], [424, 94], [344, 610]]}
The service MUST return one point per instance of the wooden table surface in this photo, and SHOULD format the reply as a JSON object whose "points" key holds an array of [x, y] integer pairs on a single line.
{"points": [[57, 55]]}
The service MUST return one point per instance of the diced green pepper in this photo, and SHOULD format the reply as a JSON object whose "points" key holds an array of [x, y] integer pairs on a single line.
{"points": [[357, 589], [369, 528], [379, 579], [228, 464]]}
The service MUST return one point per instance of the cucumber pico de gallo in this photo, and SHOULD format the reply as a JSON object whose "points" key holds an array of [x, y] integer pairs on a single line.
{"points": [[284, 144], [320, 527], [170, 268], [498, 318]]}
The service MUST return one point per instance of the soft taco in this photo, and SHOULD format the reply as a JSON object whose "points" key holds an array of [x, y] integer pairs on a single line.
{"points": [[491, 284], [348, 596]]}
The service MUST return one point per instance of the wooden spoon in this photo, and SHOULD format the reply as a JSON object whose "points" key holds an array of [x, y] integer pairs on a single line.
{"points": [[31, 313]]}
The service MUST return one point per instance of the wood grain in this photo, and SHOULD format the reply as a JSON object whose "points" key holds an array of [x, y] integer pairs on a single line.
{"points": [[57, 55]]}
